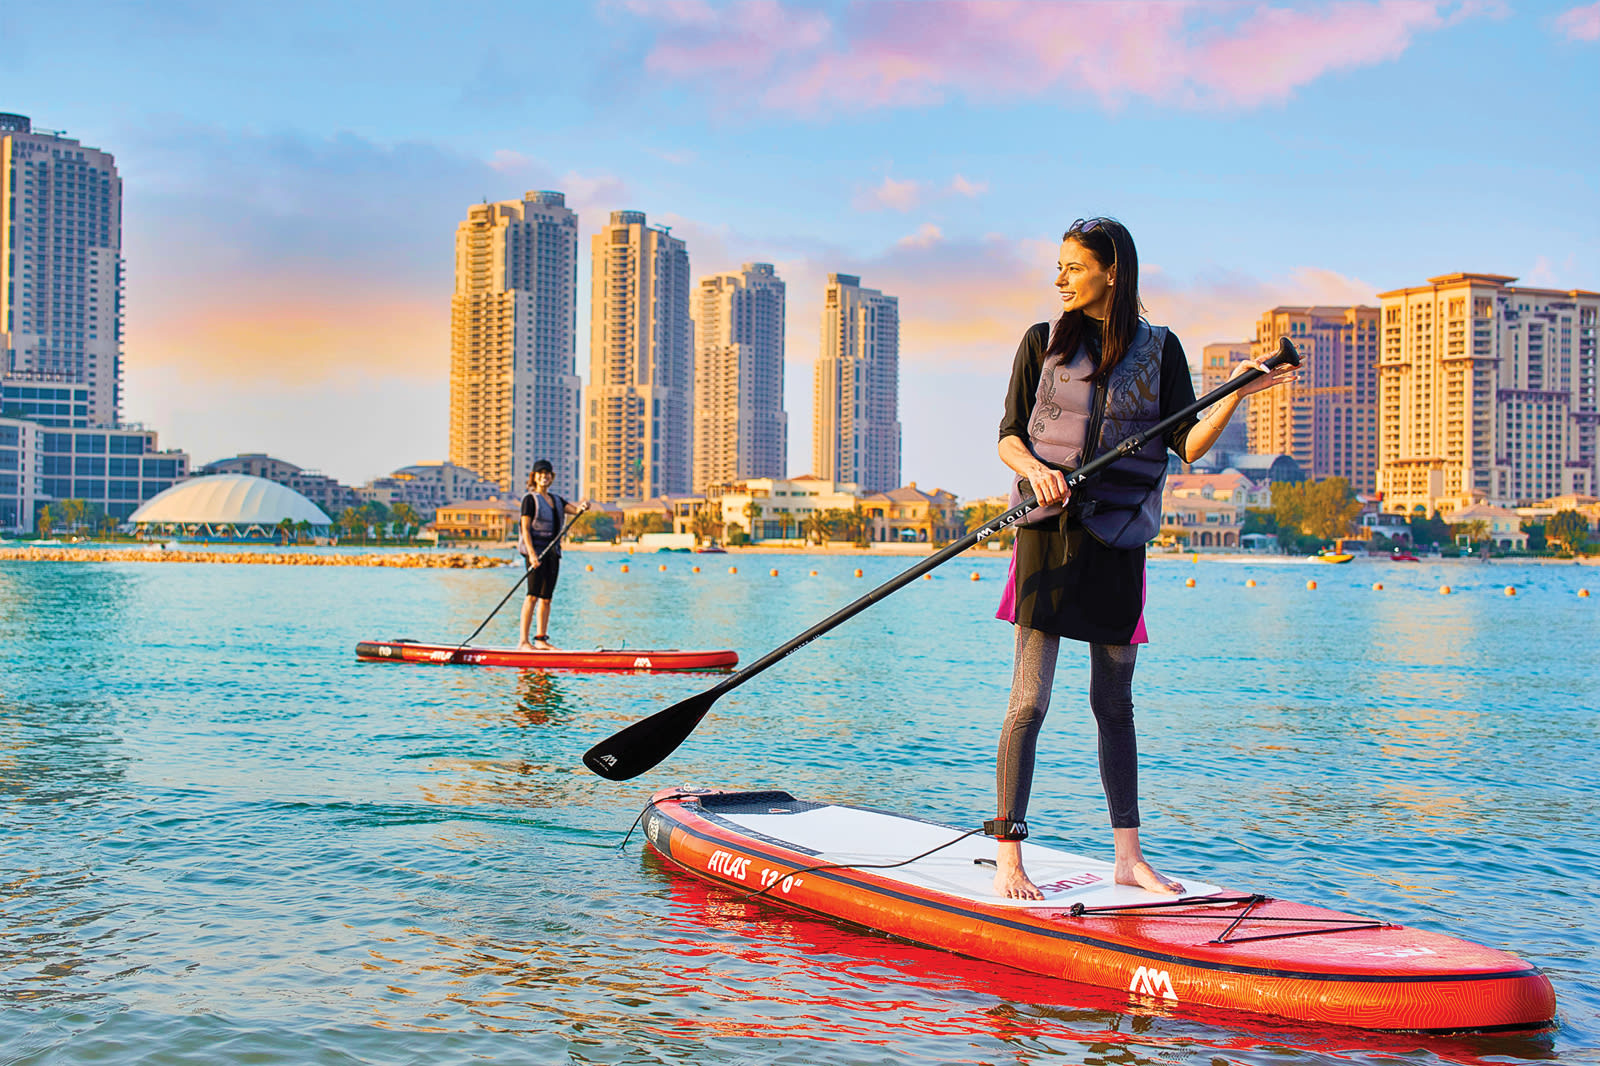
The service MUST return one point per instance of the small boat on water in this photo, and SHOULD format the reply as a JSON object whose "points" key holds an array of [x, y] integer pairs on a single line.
{"points": [[932, 884], [643, 660], [1333, 557], [710, 549], [1398, 556]]}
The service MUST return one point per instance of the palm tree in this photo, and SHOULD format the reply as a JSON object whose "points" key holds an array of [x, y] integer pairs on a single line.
{"points": [[1476, 531], [286, 530], [752, 511], [406, 515], [72, 513], [706, 523], [815, 527], [45, 521], [302, 530], [856, 526], [350, 521]]}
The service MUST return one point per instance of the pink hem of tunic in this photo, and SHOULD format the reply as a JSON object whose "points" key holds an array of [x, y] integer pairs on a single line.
{"points": [[1007, 611]]}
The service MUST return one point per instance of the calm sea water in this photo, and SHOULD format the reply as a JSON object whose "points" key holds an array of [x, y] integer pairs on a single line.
{"points": [[223, 840]]}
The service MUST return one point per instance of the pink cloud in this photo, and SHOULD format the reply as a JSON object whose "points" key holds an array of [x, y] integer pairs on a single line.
{"points": [[1580, 23], [970, 189], [889, 195], [902, 53]]}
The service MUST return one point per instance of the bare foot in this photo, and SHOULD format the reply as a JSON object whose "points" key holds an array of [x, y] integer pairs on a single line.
{"points": [[525, 646], [540, 644], [1141, 874], [1010, 880]]}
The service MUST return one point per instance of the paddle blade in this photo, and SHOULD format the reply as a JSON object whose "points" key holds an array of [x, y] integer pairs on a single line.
{"points": [[631, 751]]}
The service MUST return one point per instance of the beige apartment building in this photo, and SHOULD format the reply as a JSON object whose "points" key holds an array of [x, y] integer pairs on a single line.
{"points": [[740, 427], [1487, 393], [855, 434], [61, 266], [638, 403], [1328, 420], [514, 386]]}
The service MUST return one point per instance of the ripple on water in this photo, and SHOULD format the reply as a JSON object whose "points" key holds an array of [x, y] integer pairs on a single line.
{"points": [[223, 840]]}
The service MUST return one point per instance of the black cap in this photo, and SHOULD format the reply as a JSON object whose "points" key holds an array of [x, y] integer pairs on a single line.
{"points": [[542, 466]]}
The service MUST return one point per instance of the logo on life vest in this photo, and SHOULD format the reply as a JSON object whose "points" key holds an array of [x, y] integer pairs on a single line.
{"points": [[1148, 981]]}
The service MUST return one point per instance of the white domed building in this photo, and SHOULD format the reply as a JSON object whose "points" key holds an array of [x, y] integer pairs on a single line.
{"points": [[229, 507]]}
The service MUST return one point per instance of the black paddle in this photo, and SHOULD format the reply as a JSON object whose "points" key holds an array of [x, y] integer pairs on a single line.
{"points": [[640, 746], [525, 572]]}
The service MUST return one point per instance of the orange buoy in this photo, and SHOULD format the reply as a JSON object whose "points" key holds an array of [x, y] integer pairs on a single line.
{"points": [[858, 573], [1444, 590], [927, 577], [1583, 594], [663, 566], [590, 568], [813, 573], [1250, 584], [1377, 586], [774, 573], [733, 569], [694, 569], [624, 568], [1311, 585], [1511, 590], [975, 576], [1189, 584]]}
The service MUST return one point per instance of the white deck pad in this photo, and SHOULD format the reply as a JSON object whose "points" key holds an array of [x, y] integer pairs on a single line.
{"points": [[855, 837]]}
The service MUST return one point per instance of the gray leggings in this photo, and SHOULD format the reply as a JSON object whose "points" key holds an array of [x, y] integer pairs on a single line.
{"points": [[1111, 699]]}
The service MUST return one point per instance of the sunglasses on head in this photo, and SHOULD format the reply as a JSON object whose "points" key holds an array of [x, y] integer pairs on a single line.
{"points": [[1090, 225]]}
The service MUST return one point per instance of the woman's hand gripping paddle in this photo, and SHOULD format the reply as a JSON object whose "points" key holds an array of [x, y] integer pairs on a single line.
{"points": [[640, 746], [525, 572]]}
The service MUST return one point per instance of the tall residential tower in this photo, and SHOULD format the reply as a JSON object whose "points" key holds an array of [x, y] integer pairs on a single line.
{"points": [[513, 322], [1487, 392], [61, 265], [855, 432], [639, 401], [1328, 420], [740, 428]]}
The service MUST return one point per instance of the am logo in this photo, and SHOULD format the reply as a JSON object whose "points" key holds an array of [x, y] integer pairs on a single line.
{"points": [[1149, 981]]}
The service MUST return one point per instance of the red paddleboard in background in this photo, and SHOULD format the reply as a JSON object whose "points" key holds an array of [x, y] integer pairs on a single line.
{"points": [[626, 659], [1214, 947]]}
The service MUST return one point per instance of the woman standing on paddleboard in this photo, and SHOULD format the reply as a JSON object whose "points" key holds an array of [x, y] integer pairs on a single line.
{"points": [[1077, 390], [543, 513]]}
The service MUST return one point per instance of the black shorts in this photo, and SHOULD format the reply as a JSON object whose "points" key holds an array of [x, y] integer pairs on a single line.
{"points": [[542, 582]]}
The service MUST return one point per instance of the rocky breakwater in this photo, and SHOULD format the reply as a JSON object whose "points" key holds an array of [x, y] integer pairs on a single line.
{"points": [[156, 554]]}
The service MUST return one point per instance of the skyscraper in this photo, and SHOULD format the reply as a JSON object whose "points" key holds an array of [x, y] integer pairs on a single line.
{"points": [[639, 401], [1328, 420], [855, 432], [61, 265], [1217, 362], [740, 428], [1487, 392], [513, 321]]}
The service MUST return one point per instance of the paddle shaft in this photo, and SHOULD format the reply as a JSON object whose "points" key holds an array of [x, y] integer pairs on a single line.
{"points": [[1286, 354], [525, 572], [636, 748]]}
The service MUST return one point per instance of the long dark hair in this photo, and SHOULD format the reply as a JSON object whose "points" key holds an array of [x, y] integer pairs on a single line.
{"points": [[1112, 246]]}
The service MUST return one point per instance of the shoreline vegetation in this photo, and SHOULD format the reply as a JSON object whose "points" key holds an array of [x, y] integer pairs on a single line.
{"points": [[471, 557], [154, 553]]}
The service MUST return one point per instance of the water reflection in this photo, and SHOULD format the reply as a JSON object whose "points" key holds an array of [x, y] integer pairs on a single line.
{"points": [[540, 695]]}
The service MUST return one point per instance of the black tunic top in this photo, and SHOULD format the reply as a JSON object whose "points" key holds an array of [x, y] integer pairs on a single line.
{"points": [[1065, 581]]}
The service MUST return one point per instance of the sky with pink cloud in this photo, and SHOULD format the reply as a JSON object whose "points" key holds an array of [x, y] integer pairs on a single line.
{"points": [[294, 173]]}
